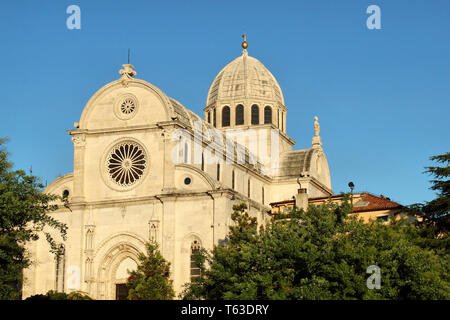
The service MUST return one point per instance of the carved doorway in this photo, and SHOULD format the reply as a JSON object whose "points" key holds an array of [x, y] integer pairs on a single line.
{"points": [[114, 271]]}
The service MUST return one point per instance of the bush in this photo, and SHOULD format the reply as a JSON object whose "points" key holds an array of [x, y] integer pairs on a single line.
{"points": [[54, 295]]}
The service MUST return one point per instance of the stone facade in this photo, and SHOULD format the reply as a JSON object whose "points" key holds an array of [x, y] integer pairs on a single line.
{"points": [[141, 172]]}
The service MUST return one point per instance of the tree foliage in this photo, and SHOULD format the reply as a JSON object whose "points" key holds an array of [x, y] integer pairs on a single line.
{"points": [[24, 213], [151, 279], [434, 215], [54, 295], [323, 253]]}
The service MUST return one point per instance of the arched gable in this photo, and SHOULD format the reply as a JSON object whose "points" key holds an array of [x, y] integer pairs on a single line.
{"points": [[103, 109], [60, 185]]}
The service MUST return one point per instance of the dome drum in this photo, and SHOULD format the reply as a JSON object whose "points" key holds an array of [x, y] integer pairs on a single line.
{"points": [[245, 93]]}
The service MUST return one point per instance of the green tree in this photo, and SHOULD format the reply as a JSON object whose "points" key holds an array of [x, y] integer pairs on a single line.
{"points": [[24, 213], [323, 253], [434, 215], [151, 279]]}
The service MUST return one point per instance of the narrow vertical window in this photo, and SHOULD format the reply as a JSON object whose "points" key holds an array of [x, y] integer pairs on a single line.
{"points": [[248, 188], [282, 121], [153, 232], [240, 114], [185, 153], [267, 115], [226, 116], [214, 117], [195, 267], [203, 162], [232, 180], [209, 116], [262, 195], [255, 114], [278, 119], [218, 172], [89, 236]]}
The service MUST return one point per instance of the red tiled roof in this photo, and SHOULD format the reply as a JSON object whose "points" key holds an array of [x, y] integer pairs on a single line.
{"points": [[335, 196], [367, 202], [281, 202], [370, 202]]}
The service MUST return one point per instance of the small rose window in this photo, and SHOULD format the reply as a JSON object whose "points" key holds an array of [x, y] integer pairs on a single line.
{"points": [[127, 107]]}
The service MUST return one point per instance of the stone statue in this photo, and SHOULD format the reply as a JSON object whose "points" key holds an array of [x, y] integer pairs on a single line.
{"points": [[316, 126]]}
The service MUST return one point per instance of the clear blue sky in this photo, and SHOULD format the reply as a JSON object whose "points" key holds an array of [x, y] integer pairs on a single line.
{"points": [[382, 96]]}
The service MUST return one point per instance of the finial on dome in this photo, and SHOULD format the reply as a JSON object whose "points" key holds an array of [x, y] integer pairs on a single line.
{"points": [[244, 43], [316, 141]]}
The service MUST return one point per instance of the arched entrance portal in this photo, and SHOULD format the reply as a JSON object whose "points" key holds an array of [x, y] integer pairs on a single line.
{"points": [[113, 271], [121, 256]]}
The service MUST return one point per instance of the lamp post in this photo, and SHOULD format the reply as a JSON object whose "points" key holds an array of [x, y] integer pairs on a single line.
{"points": [[351, 185]]}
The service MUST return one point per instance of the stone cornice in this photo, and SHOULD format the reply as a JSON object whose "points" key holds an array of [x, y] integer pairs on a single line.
{"points": [[138, 200], [158, 126], [167, 197]]}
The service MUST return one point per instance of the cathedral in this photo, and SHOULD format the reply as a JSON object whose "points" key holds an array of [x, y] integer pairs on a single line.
{"points": [[147, 168]]}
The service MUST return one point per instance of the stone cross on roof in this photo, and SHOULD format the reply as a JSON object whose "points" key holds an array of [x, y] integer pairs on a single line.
{"points": [[127, 73]]}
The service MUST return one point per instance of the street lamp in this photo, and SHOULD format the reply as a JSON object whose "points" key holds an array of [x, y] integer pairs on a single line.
{"points": [[351, 185]]}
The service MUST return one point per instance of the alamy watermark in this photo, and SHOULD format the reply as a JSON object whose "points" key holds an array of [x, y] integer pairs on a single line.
{"points": [[212, 146], [73, 278], [374, 281], [374, 20], [74, 20]]}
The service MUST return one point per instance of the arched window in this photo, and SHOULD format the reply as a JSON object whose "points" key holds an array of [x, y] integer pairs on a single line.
{"points": [[153, 231], [214, 117], [240, 114], [89, 238], [226, 116], [195, 267], [65, 194], [267, 115], [255, 114], [232, 180]]}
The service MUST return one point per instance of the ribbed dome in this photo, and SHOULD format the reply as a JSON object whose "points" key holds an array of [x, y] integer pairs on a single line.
{"points": [[245, 78]]}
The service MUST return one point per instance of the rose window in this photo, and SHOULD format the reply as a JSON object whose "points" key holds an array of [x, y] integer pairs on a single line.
{"points": [[128, 106], [126, 163]]}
